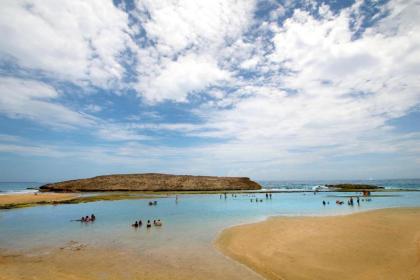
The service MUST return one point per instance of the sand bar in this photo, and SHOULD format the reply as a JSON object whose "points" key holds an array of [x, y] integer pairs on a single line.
{"points": [[31, 198], [380, 244]]}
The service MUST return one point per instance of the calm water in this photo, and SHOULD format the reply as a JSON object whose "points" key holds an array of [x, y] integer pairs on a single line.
{"points": [[192, 221]]}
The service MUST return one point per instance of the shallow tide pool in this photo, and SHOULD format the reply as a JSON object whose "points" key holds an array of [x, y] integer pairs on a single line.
{"points": [[192, 220]]}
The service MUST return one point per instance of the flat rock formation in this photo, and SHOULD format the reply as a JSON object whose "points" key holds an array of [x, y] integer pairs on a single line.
{"points": [[153, 182], [353, 187]]}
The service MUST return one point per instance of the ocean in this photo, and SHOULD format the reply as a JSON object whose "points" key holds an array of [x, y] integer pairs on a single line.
{"points": [[18, 187], [390, 184]]}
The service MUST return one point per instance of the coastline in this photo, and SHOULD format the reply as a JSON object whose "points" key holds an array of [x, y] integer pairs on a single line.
{"points": [[377, 244], [12, 201], [21, 200], [9, 201]]}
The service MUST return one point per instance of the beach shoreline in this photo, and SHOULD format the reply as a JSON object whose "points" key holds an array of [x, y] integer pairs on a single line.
{"points": [[376, 244], [21, 200], [9, 201], [12, 201]]}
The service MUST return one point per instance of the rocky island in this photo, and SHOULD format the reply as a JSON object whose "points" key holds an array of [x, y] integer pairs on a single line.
{"points": [[153, 182], [354, 187]]}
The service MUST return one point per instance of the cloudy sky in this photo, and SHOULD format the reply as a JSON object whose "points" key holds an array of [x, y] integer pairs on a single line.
{"points": [[266, 89]]}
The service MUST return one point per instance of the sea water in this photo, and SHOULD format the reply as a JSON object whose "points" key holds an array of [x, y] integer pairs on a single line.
{"points": [[190, 220], [18, 187]]}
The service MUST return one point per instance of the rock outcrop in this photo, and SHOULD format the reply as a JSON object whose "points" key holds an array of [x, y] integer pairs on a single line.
{"points": [[353, 187], [153, 182]]}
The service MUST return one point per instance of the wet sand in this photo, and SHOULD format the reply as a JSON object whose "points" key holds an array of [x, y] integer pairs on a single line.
{"points": [[80, 261], [15, 199], [380, 244]]}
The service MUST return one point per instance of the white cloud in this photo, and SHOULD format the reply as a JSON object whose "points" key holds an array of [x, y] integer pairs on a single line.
{"points": [[74, 40], [176, 79], [34, 100], [188, 37], [93, 108], [119, 132], [176, 25]]}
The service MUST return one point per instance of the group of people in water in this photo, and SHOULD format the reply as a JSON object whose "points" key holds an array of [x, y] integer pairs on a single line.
{"points": [[139, 223], [350, 201], [87, 219], [256, 199]]}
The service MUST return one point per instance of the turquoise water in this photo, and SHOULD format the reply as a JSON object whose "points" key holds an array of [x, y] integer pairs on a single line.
{"points": [[193, 220]]}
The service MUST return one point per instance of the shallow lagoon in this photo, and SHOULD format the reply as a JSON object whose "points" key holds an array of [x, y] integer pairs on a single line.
{"points": [[193, 220]]}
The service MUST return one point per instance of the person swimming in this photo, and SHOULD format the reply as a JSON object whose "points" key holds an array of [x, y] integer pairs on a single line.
{"points": [[92, 217]]}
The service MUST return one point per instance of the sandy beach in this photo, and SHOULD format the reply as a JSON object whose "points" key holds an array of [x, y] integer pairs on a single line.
{"points": [[77, 261], [14, 199], [380, 244]]}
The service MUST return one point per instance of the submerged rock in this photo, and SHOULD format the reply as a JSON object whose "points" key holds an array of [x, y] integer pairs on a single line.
{"points": [[153, 182]]}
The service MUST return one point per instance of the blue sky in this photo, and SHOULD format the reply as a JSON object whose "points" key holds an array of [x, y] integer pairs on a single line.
{"points": [[265, 89]]}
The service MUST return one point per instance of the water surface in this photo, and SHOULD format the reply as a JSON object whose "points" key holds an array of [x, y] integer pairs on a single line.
{"points": [[192, 220]]}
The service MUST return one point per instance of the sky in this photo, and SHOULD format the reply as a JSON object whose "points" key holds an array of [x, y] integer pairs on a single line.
{"points": [[272, 90]]}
